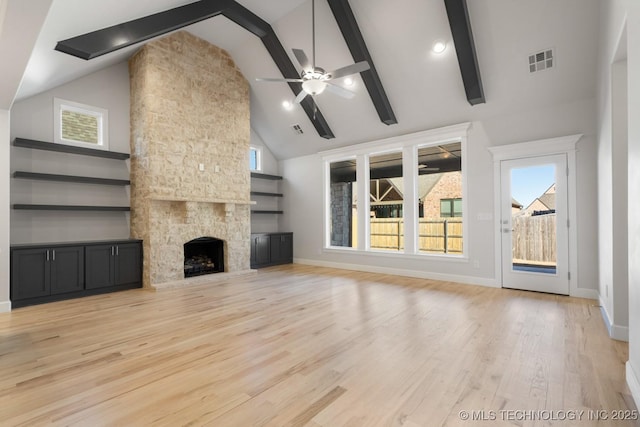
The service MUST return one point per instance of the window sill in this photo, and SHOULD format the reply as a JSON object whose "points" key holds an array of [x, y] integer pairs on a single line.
{"points": [[388, 254]]}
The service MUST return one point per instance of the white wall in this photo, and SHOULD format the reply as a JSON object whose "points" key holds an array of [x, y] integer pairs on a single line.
{"points": [[612, 170], [303, 200], [633, 46], [620, 265], [5, 304], [33, 118], [614, 13]]}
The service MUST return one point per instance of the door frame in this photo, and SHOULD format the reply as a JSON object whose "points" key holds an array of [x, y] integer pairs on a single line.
{"points": [[558, 282], [542, 147]]}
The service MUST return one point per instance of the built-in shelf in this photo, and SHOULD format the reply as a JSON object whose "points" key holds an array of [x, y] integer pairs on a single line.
{"points": [[260, 193], [48, 146], [265, 176], [70, 178], [71, 208], [266, 212], [202, 200]]}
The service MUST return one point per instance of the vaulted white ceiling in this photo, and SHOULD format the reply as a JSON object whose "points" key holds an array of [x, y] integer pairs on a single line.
{"points": [[425, 89]]}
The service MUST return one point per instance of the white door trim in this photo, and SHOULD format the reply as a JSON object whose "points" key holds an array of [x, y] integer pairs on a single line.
{"points": [[542, 147]]}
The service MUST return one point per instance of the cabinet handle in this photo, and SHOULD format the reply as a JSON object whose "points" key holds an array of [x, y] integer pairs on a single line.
{"points": [[47, 254], [117, 250], [111, 250], [54, 254]]}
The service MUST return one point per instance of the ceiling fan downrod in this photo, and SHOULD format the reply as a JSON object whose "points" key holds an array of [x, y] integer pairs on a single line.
{"points": [[313, 34]]}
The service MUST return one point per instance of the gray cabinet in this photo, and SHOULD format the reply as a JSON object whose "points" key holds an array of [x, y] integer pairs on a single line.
{"points": [[68, 270], [269, 249], [41, 272], [116, 264]]}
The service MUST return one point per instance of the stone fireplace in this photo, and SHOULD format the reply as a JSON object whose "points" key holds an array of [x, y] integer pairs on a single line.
{"points": [[204, 255], [189, 154]]}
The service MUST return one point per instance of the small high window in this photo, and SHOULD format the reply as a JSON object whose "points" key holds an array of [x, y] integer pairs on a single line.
{"points": [[255, 159], [80, 125]]}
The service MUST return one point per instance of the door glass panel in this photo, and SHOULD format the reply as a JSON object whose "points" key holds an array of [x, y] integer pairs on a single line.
{"points": [[533, 219], [387, 202]]}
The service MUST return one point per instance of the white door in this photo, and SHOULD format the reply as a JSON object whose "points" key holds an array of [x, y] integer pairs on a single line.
{"points": [[534, 224]]}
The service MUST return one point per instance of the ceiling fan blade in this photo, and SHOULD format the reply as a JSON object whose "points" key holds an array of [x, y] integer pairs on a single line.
{"points": [[302, 59], [279, 80], [340, 91], [300, 97], [358, 67]]}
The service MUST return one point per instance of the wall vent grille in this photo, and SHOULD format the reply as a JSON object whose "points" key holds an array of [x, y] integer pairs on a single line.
{"points": [[542, 60], [297, 129]]}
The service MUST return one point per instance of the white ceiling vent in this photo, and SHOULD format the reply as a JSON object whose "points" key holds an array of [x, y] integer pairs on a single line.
{"points": [[297, 129], [540, 61]]}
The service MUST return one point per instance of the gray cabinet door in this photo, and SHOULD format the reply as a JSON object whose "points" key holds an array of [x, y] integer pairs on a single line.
{"points": [[128, 263], [30, 273], [262, 249], [100, 261], [67, 269]]}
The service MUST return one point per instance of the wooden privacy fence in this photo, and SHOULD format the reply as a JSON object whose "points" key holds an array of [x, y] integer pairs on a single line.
{"points": [[435, 236], [534, 238]]}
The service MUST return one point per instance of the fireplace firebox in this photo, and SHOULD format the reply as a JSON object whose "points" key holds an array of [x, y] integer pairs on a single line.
{"points": [[204, 255]]}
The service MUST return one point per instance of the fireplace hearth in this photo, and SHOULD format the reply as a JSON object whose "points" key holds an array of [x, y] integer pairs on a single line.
{"points": [[204, 255]]}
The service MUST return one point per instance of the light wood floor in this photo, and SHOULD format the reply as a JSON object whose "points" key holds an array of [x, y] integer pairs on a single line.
{"points": [[297, 345]]}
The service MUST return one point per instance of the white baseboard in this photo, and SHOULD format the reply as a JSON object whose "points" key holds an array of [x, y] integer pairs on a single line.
{"points": [[5, 306], [466, 280], [585, 293], [633, 384], [617, 332]]}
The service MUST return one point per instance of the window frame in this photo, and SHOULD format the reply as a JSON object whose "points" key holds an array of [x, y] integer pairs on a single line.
{"points": [[409, 145], [102, 114], [452, 211]]}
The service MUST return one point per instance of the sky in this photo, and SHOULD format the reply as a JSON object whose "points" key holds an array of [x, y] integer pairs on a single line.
{"points": [[529, 183]]}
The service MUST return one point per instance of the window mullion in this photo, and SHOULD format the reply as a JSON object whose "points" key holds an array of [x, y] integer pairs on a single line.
{"points": [[364, 203], [410, 178]]}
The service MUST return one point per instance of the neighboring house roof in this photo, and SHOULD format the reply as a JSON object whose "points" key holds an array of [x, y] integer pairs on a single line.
{"points": [[515, 203], [549, 200], [425, 184]]}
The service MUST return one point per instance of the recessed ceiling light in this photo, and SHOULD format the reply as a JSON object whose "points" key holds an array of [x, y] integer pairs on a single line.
{"points": [[348, 81], [287, 105], [439, 46]]}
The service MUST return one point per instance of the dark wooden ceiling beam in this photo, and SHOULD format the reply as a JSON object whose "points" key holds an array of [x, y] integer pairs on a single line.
{"points": [[355, 42], [256, 25], [465, 49], [106, 40]]}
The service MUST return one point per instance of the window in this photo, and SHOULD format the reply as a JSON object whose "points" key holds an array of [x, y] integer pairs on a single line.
{"points": [[255, 159], [386, 188], [450, 208], [80, 125], [440, 191], [343, 210], [378, 215]]}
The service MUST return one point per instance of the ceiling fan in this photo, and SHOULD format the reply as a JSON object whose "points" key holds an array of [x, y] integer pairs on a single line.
{"points": [[315, 79]]}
